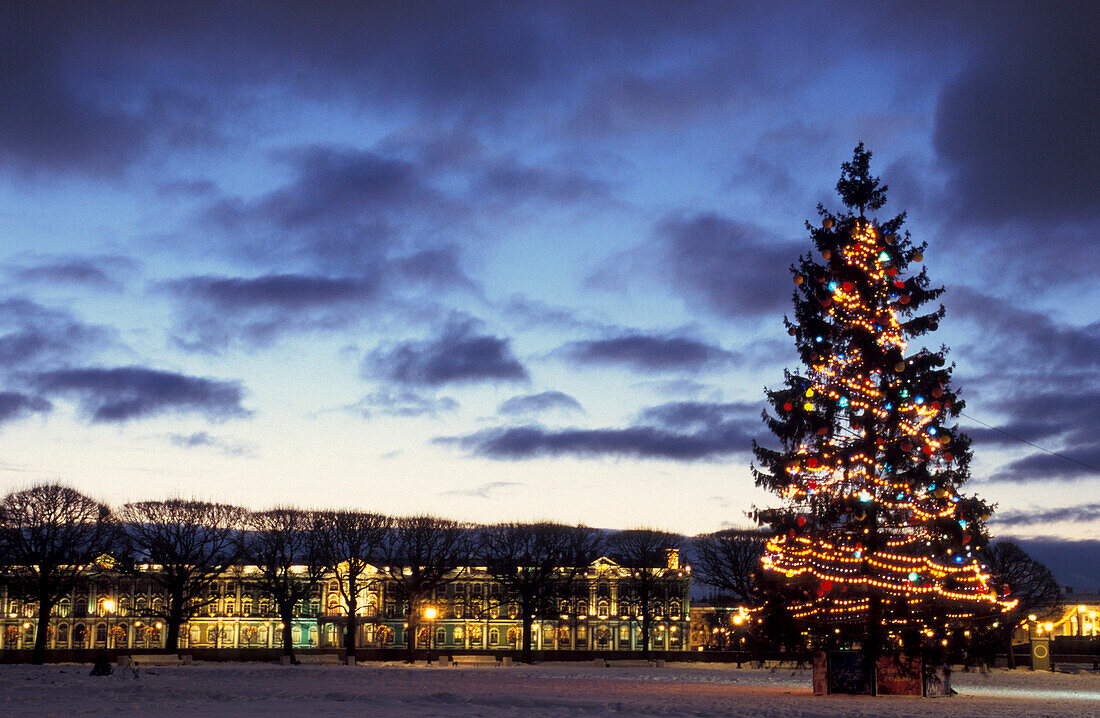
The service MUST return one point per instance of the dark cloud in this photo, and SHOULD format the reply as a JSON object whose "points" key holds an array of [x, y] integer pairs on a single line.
{"points": [[677, 432], [36, 335], [461, 354], [335, 186], [202, 439], [132, 392], [102, 272], [1024, 333], [14, 405], [1060, 400], [403, 403], [1082, 513], [1073, 562], [512, 182], [698, 415], [543, 401], [281, 291], [1018, 130], [731, 268], [649, 352]]}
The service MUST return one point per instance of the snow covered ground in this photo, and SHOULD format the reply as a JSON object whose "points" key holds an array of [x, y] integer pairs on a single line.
{"points": [[551, 689]]}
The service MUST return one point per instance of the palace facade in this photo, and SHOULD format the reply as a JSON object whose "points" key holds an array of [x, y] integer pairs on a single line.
{"points": [[597, 611]]}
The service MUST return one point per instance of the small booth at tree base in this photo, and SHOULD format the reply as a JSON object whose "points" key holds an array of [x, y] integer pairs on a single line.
{"points": [[847, 673]]}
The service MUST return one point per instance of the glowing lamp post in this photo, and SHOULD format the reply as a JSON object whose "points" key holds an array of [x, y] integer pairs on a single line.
{"points": [[109, 608], [430, 614]]}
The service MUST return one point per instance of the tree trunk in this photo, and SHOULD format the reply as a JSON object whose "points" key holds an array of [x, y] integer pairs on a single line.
{"points": [[44, 609], [350, 631], [172, 638], [645, 633], [1007, 633], [286, 614], [527, 621], [410, 634]]}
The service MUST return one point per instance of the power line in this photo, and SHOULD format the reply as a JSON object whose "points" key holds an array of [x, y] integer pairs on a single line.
{"points": [[1025, 441]]}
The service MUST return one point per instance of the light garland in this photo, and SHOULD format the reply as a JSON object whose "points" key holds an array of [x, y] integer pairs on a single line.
{"points": [[875, 453]]}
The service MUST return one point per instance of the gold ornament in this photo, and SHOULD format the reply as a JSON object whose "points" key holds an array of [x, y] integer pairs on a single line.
{"points": [[827, 223], [798, 279], [899, 367], [918, 257], [826, 254]]}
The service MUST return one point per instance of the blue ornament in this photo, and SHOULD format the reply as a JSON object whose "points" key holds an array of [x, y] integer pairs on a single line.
{"points": [[832, 286], [819, 339], [913, 576], [888, 406], [843, 402], [884, 257], [918, 400], [931, 431]]}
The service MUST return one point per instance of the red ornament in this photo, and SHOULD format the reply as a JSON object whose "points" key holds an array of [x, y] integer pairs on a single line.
{"points": [[898, 283], [820, 592], [935, 406], [812, 463], [791, 533], [948, 456], [826, 585], [927, 450], [826, 302], [811, 484], [801, 520], [788, 406], [848, 286], [906, 446], [823, 430], [966, 539], [859, 546], [903, 299], [937, 392], [892, 271]]}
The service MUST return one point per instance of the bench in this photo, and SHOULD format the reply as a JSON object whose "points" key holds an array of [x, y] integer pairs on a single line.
{"points": [[474, 661], [629, 663], [153, 660], [314, 659]]}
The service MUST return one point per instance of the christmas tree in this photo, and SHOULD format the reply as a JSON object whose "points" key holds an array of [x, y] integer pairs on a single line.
{"points": [[875, 542]]}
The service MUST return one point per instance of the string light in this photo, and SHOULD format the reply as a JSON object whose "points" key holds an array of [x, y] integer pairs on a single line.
{"points": [[881, 461]]}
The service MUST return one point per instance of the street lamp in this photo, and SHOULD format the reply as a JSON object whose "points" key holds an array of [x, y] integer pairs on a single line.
{"points": [[109, 608], [430, 614]]}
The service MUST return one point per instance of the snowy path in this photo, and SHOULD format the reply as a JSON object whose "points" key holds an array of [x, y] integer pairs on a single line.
{"points": [[556, 689]]}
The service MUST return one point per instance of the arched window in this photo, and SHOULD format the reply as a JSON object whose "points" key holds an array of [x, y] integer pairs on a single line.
{"points": [[333, 586], [196, 634], [313, 635], [246, 606], [230, 606], [63, 634], [64, 608], [81, 607], [440, 636], [333, 605], [101, 634], [602, 609], [80, 635], [582, 608], [265, 607], [494, 636]]}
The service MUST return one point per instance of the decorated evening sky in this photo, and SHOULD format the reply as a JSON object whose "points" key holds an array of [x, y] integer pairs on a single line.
{"points": [[519, 261]]}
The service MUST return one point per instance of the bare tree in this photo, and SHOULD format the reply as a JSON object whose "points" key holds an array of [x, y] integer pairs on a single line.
{"points": [[351, 539], [530, 562], [420, 554], [728, 560], [192, 543], [49, 534], [285, 546], [1028, 581], [645, 552]]}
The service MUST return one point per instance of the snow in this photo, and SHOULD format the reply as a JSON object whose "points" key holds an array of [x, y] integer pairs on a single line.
{"points": [[549, 689]]}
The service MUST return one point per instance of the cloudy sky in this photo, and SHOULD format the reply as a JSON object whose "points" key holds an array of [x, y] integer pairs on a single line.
{"points": [[521, 261]]}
